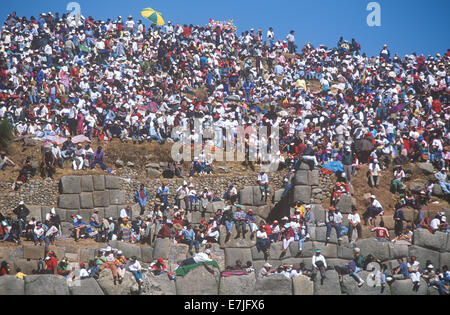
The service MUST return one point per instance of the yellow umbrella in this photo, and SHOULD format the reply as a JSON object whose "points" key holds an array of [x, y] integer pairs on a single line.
{"points": [[153, 16]]}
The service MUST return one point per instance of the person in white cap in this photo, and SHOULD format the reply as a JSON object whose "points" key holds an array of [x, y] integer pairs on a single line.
{"points": [[374, 173], [265, 271], [374, 209]]}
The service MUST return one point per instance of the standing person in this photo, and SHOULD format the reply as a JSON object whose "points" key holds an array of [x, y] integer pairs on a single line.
{"points": [[21, 212], [374, 173], [50, 235], [332, 219], [142, 196], [354, 223], [414, 272], [319, 264], [347, 161], [263, 181], [309, 220], [291, 42], [399, 217], [99, 157]]}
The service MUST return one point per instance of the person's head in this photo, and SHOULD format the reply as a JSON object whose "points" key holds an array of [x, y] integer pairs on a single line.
{"points": [[267, 266], [318, 251], [161, 261], [249, 264], [357, 251], [18, 270], [99, 149], [444, 268], [382, 224], [399, 260], [413, 258]]}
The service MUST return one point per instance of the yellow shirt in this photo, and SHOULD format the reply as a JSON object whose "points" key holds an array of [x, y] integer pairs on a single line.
{"points": [[20, 275], [301, 208]]}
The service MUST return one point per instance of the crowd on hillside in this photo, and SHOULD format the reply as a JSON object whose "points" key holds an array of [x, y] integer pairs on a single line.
{"points": [[118, 79]]}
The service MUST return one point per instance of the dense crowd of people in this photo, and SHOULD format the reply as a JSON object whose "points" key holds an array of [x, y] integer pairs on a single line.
{"points": [[116, 79]]}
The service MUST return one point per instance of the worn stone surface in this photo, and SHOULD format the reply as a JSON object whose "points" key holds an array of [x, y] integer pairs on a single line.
{"points": [[233, 242], [86, 201], [424, 254], [161, 248], [331, 285], [117, 197], [101, 198], [10, 285], [301, 193], [70, 184], [405, 287], [127, 287], [33, 252], [158, 285], [99, 182], [273, 285], [198, 282], [302, 285], [87, 183], [238, 285], [350, 286], [436, 241], [371, 246], [234, 254], [46, 285], [85, 287], [69, 201], [112, 182]]}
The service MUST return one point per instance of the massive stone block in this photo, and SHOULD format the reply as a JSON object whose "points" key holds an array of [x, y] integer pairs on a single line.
{"points": [[112, 212], [350, 286], [199, 282], [161, 248], [436, 241], [69, 201], [46, 285], [33, 252], [101, 199], [301, 193], [424, 254], [99, 182], [233, 242], [86, 201], [301, 178], [87, 183], [112, 182], [273, 285], [302, 285], [246, 196], [345, 204], [70, 185], [86, 287], [328, 251], [380, 250], [10, 285], [238, 285], [117, 197], [405, 287], [234, 254], [319, 213], [331, 285]]}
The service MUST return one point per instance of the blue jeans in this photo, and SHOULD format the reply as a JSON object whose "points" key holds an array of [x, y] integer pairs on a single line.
{"points": [[102, 165], [300, 243], [355, 274], [229, 225], [137, 274], [445, 187], [262, 244], [38, 238], [337, 227], [192, 243]]}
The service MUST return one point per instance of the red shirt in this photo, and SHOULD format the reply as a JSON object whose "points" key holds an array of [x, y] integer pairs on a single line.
{"points": [[381, 232], [52, 264]]}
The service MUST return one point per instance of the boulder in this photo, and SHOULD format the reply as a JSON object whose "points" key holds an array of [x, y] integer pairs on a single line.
{"points": [[199, 282], [345, 204], [147, 254], [46, 285], [127, 287], [116, 197], [87, 184], [233, 242], [302, 285], [86, 201], [238, 285], [99, 182], [331, 285], [426, 168], [444, 259], [273, 285], [344, 252], [69, 201], [437, 191], [70, 185], [350, 286], [119, 163], [158, 285], [257, 201], [85, 287], [417, 187], [278, 195], [246, 196], [319, 213], [301, 193], [161, 248], [398, 250], [33, 252], [152, 173], [10, 285], [262, 212], [130, 250], [101, 199], [306, 252], [378, 249], [405, 287], [314, 178], [423, 254], [301, 178], [177, 252], [234, 254], [112, 182], [328, 251], [436, 241]]}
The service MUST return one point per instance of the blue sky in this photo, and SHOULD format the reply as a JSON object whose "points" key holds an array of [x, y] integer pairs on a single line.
{"points": [[407, 26]]}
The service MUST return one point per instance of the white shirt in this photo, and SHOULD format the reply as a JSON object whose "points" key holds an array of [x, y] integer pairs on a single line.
{"points": [[316, 258], [435, 223], [354, 218], [201, 257], [136, 266]]}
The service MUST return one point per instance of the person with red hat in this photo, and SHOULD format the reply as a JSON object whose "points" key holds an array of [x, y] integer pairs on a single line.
{"points": [[51, 263], [275, 234], [158, 267]]}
